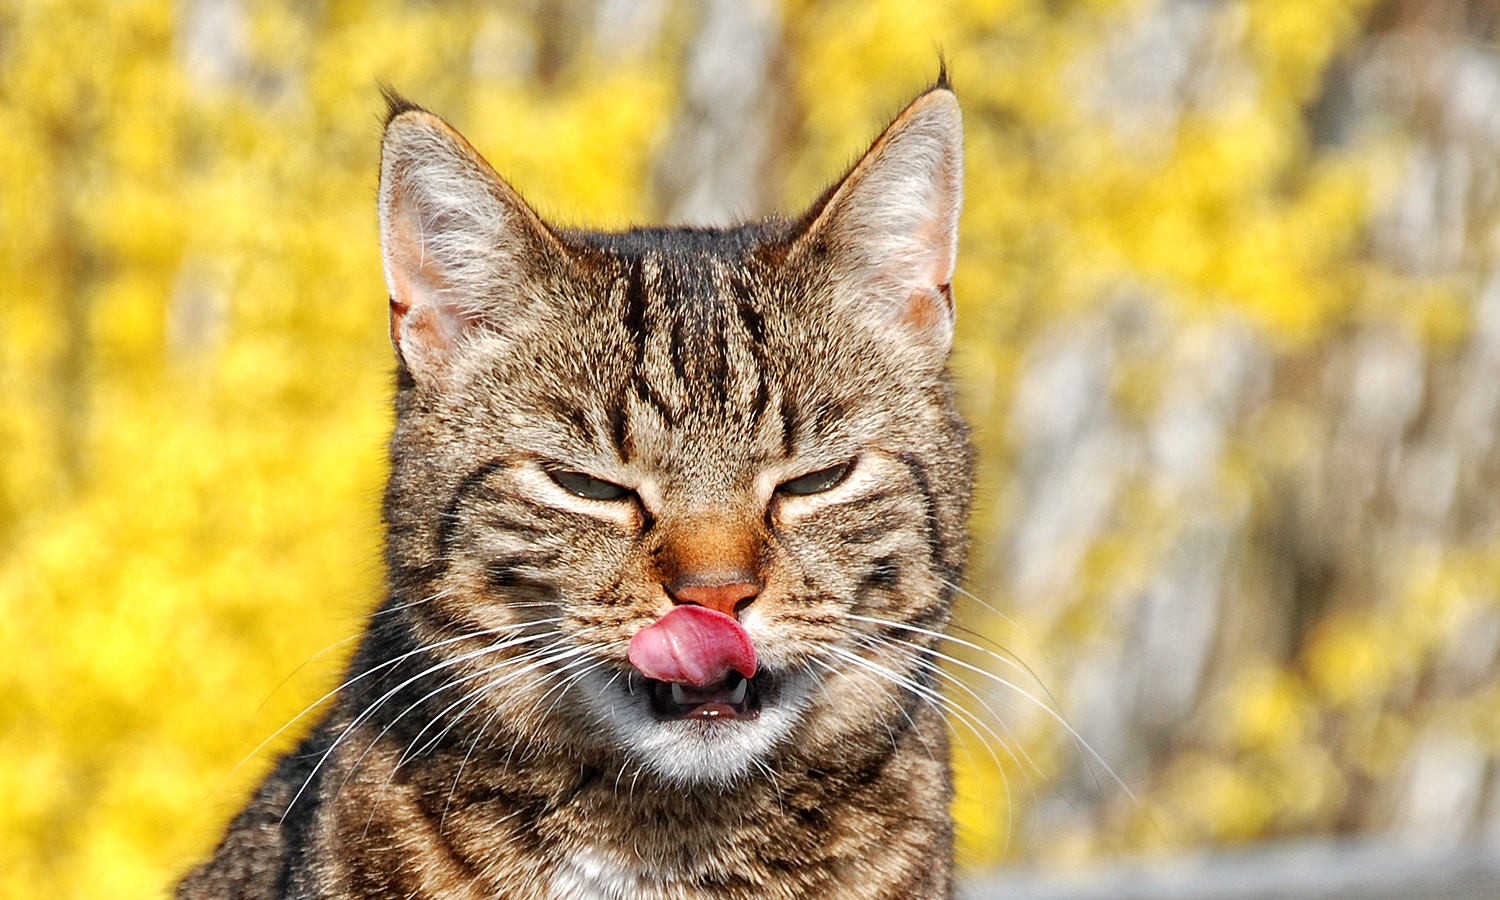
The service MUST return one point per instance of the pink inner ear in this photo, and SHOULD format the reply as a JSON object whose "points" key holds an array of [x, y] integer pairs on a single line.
{"points": [[421, 322], [925, 272], [928, 310], [934, 240], [421, 329]]}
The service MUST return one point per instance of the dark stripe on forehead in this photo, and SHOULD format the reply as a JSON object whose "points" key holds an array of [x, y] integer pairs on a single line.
{"points": [[761, 399], [691, 291], [635, 304], [635, 342], [754, 322], [754, 325], [576, 418], [788, 412], [619, 429], [678, 350], [649, 395], [688, 317]]}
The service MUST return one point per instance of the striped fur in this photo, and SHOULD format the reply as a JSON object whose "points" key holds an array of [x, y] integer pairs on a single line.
{"points": [[492, 740]]}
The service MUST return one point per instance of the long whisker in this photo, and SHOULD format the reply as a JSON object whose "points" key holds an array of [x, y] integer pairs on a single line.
{"points": [[942, 703], [973, 723], [593, 664], [374, 707], [947, 637], [1016, 661], [1014, 624], [920, 655], [479, 735], [922, 652], [889, 733], [1012, 744], [959, 589], [929, 695], [531, 663], [387, 610], [532, 658], [302, 665], [412, 750], [1083, 744], [901, 626], [372, 670], [775, 784]]}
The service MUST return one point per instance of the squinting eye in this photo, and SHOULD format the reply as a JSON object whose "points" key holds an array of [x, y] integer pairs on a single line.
{"points": [[588, 486], [816, 482]]}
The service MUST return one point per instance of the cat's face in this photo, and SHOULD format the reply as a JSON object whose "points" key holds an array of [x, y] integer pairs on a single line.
{"points": [[595, 431]]}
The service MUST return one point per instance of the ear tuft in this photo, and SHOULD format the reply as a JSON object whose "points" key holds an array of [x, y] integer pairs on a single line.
{"points": [[395, 103], [890, 227], [942, 83]]}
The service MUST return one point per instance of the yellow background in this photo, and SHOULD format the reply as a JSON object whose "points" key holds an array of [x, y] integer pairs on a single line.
{"points": [[195, 379]]}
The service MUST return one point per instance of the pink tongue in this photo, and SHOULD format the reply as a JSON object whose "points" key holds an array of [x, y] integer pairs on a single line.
{"points": [[693, 645]]}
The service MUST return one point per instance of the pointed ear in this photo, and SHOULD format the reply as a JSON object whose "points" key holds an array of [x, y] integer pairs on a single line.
{"points": [[889, 230], [458, 242]]}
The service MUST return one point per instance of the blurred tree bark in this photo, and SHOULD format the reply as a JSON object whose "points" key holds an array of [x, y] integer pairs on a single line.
{"points": [[1362, 567], [735, 124]]}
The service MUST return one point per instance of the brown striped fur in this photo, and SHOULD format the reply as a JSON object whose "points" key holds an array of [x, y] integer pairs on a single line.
{"points": [[492, 739]]}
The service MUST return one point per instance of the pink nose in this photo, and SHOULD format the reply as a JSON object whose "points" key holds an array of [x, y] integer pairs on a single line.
{"points": [[725, 598]]}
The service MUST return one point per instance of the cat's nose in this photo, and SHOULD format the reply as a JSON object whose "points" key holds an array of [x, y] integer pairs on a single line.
{"points": [[727, 594]]}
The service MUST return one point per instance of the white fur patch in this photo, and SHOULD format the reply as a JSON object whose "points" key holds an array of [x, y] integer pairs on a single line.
{"points": [[595, 874], [696, 751]]}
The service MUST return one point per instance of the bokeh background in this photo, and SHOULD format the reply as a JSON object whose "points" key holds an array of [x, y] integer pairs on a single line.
{"points": [[1229, 331]]}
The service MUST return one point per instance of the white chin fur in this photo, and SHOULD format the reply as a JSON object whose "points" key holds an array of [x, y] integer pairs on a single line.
{"points": [[691, 752]]}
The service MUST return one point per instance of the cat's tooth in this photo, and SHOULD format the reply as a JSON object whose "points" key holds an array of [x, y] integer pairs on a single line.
{"points": [[739, 691], [679, 696]]}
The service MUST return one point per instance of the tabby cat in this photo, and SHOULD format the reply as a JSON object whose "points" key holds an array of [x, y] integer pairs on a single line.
{"points": [[675, 517]]}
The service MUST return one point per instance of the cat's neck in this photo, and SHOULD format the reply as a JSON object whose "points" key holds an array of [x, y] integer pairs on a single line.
{"points": [[585, 827]]}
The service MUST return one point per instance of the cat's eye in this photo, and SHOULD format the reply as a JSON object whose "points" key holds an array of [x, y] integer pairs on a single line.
{"points": [[587, 486], [816, 482]]}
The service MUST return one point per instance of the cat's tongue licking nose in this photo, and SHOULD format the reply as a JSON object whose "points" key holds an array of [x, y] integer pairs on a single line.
{"points": [[693, 645]]}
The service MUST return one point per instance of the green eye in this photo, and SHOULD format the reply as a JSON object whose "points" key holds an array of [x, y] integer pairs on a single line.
{"points": [[816, 482], [588, 486]]}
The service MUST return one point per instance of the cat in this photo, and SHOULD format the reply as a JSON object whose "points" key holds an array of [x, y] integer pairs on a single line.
{"points": [[674, 521]]}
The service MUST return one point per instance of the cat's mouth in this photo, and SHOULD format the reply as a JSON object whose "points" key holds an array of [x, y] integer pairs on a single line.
{"points": [[736, 697]]}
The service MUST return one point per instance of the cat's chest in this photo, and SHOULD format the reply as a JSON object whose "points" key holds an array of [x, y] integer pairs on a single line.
{"points": [[594, 873]]}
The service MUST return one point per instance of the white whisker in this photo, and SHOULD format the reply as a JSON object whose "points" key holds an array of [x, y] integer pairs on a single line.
{"points": [[370, 671], [972, 722], [374, 707], [884, 724], [1086, 749], [929, 695], [1009, 742], [412, 750], [531, 663]]}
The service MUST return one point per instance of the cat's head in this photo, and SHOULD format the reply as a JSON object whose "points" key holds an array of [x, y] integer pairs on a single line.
{"points": [[595, 430]]}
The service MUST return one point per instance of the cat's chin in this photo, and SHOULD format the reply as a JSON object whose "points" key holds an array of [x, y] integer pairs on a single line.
{"points": [[698, 741]]}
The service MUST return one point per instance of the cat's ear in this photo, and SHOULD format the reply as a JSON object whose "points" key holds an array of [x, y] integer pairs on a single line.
{"points": [[458, 242], [889, 230]]}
